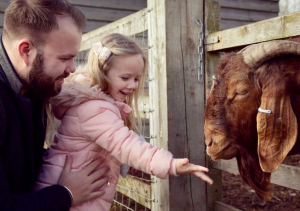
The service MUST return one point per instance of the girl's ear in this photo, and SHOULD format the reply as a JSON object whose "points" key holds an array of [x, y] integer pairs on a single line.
{"points": [[27, 51]]}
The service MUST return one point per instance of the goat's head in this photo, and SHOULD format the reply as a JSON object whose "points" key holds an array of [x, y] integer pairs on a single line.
{"points": [[244, 82]]}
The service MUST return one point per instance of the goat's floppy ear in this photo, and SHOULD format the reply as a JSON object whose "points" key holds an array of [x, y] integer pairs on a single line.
{"points": [[277, 131]]}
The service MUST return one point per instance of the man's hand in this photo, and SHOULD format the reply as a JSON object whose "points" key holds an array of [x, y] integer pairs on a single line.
{"points": [[83, 184], [184, 167]]}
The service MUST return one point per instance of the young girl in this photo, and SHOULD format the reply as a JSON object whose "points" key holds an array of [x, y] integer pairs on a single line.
{"points": [[97, 108]]}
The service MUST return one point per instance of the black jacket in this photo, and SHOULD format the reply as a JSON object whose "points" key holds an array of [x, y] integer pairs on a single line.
{"points": [[22, 133]]}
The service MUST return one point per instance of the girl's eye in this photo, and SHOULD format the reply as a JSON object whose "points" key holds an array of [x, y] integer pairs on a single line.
{"points": [[124, 78], [136, 80]]}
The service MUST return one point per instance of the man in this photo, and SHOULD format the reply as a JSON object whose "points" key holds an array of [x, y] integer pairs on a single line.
{"points": [[40, 40]]}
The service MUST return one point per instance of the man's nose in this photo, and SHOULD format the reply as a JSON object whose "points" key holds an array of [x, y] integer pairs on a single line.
{"points": [[71, 68]]}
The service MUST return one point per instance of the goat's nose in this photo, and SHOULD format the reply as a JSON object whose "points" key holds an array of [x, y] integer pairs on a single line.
{"points": [[208, 141], [208, 138]]}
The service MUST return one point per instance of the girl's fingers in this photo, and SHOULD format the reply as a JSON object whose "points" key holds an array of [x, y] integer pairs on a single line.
{"points": [[204, 177], [198, 172], [193, 167], [201, 168]]}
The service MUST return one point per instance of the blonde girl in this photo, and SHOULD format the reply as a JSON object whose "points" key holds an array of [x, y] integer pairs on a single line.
{"points": [[98, 106]]}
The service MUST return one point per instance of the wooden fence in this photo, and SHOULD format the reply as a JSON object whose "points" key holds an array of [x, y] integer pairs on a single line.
{"points": [[218, 41], [233, 12], [174, 92], [177, 97]]}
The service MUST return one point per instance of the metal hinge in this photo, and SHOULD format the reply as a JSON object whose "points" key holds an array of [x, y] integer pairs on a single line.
{"points": [[211, 40]]}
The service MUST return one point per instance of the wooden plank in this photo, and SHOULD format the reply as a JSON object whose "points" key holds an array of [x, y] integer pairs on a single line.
{"points": [[286, 176], [228, 24], [227, 165], [219, 206], [93, 25], [158, 94], [246, 15], [275, 28], [212, 24], [270, 6], [182, 61], [176, 96], [132, 5], [92, 13], [3, 6], [1, 18], [130, 25], [136, 190]]}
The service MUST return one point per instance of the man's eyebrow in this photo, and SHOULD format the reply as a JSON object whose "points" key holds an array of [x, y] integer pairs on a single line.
{"points": [[66, 55]]}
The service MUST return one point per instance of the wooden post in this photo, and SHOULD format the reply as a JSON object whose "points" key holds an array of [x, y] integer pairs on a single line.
{"points": [[212, 24], [176, 98]]}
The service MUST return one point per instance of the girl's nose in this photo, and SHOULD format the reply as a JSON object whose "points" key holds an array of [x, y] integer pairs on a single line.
{"points": [[132, 85]]}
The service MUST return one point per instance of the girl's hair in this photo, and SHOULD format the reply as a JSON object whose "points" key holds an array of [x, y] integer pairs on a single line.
{"points": [[119, 45]]}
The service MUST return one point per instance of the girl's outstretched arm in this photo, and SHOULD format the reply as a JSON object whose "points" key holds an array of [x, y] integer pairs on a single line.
{"points": [[184, 167]]}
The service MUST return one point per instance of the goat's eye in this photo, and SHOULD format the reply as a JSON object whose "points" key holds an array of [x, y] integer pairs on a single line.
{"points": [[239, 95], [242, 92]]}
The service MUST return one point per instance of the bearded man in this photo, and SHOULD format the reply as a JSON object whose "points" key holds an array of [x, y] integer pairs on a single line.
{"points": [[39, 42]]}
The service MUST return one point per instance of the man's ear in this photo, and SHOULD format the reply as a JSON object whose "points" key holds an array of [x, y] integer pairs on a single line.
{"points": [[27, 51]]}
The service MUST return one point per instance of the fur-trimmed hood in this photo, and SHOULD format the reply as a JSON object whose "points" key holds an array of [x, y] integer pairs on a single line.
{"points": [[77, 90]]}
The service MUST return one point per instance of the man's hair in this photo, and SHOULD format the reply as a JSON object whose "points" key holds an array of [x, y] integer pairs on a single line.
{"points": [[36, 18]]}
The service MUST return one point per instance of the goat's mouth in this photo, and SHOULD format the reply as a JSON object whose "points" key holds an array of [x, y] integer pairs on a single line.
{"points": [[226, 152]]}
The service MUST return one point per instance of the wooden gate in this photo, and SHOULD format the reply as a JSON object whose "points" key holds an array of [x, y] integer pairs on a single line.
{"points": [[176, 97]]}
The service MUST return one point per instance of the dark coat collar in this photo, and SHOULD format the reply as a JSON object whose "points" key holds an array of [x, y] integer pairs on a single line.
{"points": [[11, 76]]}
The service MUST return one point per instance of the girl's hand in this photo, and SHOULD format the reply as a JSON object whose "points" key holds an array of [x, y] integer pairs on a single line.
{"points": [[184, 167]]}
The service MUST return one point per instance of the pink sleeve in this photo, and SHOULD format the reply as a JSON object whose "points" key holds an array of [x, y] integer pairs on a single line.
{"points": [[104, 127]]}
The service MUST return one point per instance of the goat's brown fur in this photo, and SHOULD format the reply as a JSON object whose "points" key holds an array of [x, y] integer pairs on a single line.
{"points": [[231, 116]]}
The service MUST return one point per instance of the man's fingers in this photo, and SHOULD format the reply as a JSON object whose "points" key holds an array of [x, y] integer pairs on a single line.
{"points": [[95, 194], [91, 167], [102, 172], [68, 164], [99, 183]]}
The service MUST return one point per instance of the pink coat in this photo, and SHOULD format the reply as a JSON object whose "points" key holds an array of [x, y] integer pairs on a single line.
{"points": [[92, 127]]}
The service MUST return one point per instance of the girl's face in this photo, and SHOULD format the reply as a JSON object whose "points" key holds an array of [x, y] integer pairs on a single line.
{"points": [[124, 76]]}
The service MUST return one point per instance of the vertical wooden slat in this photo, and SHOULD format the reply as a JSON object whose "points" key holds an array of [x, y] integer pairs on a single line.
{"points": [[212, 24], [194, 97], [177, 98], [158, 94]]}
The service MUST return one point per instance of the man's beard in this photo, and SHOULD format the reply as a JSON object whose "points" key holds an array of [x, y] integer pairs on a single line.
{"points": [[42, 85]]}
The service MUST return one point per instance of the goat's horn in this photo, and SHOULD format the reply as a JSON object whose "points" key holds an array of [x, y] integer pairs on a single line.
{"points": [[256, 54]]}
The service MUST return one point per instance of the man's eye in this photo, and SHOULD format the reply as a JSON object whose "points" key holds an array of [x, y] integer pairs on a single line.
{"points": [[64, 59]]}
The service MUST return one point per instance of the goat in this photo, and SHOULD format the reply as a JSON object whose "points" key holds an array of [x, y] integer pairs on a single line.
{"points": [[253, 110]]}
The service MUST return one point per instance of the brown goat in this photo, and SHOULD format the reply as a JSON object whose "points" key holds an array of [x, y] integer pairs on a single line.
{"points": [[265, 76]]}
